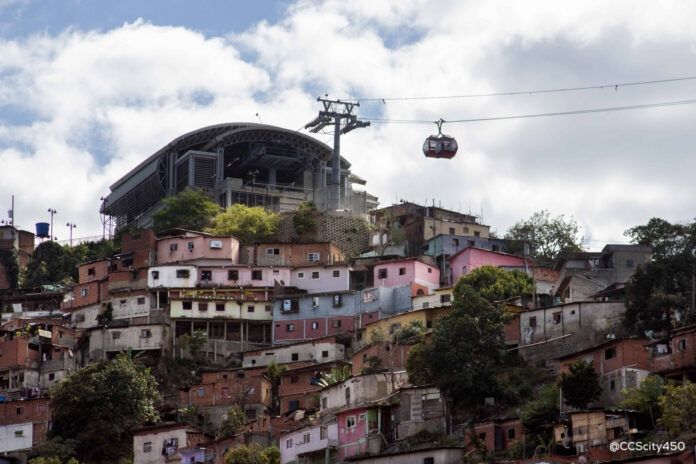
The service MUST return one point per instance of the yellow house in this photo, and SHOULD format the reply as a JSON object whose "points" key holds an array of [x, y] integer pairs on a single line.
{"points": [[440, 297], [389, 325]]}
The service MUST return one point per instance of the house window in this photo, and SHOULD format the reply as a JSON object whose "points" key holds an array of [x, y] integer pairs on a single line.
{"points": [[219, 306], [20, 411], [206, 275], [557, 318], [305, 438], [394, 327], [482, 436], [257, 274], [495, 248], [290, 328], [147, 447], [429, 460], [295, 356], [324, 354], [83, 292], [382, 273], [612, 385], [268, 308], [402, 271], [145, 333], [336, 324], [300, 275], [202, 307], [324, 403], [350, 420], [315, 301], [90, 271], [201, 392], [19, 433], [463, 270], [445, 298], [173, 246], [272, 251], [472, 243], [115, 335], [337, 273], [451, 230], [276, 272], [455, 242], [315, 325], [323, 432], [190, 245], [610, 353], [681, 344], [477, 233], [629, 263], [337, 301], [250, 309], [155, 275], [288, 443], [511, 433], [186, 305], [313, 257], [532, 321], [141, 300], [233, 274], [182, 273], [315, 274], [52, 376], [430, 270]]}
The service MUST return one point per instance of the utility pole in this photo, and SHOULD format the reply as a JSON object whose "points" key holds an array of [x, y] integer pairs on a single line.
{"points": [[52, 211], [335, 112], [71, 226]]}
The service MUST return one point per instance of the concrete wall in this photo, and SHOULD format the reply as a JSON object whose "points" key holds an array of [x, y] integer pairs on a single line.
{"points": [[311, 351], [156, 439], [321, 278], [362, 388], [472, 258], [16, 437], [404, 272], [136, 337], [294, 443], [202, 247], [166, 276], [211, 309]]}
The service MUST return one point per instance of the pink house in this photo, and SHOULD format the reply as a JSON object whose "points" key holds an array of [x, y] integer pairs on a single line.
{"points": [[359, 425], [197, 246], [407, 272], [469, 259]]}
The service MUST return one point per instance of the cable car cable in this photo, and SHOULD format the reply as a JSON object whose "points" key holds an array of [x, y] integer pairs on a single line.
{"points": [[537, 115], [531, 92]]}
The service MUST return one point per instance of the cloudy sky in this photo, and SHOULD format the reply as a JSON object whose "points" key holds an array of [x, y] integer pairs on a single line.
{"points": [[90, 89]]}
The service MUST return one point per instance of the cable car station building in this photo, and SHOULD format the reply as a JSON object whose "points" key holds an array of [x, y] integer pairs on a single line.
{"points": [[251, 164]]}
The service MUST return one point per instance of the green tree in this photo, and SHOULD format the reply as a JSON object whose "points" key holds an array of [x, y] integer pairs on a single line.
{"points": [[248, 224], [539, 415], [580, 384], [303, 219], [51, 263], [273, 372], [235, 421], [101, 405], [679, 408], [273, 455], [194, 342], [466, 349], [52, 460], [418, 364], [57, 448], [645, 397], [252, 454], [660, 292], [495, 284], [415, 328], [191, 209], [547, 237], [10, 263]]}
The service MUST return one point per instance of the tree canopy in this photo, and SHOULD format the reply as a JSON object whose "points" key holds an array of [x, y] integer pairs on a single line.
{"points": [[547, 237], [101, 405], [679, 408], [645, 398], [659, 293], [252, 454], [248, 224], [466, 348], [495, 284], [191, 209], [580, 384]]}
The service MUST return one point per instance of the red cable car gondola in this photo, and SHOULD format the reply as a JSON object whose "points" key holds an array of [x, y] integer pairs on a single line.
{"points": [[440, 145]]}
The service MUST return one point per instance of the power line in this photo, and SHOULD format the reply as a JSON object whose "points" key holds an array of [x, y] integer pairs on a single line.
{"points": [[531, 92], [537, 115]]}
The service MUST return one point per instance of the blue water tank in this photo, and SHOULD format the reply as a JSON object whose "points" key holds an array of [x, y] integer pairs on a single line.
{"points": [[42, 229]]}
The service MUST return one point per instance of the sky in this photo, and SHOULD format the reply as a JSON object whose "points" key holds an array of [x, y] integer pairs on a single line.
{"points": [[89, 89]]}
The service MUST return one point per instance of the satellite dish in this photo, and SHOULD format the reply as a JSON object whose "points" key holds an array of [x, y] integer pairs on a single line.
{"points": [[282, 282], [649, 334]]}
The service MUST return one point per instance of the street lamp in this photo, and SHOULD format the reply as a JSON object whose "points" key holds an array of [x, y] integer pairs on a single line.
{"points": [[52, 211], [71, 226]]}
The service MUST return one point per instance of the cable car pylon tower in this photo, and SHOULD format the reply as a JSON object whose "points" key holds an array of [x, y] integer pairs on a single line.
{"points": [[335, 112]]}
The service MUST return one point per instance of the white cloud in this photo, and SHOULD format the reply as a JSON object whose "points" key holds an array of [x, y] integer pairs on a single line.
{"points": [[139, 86]]}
